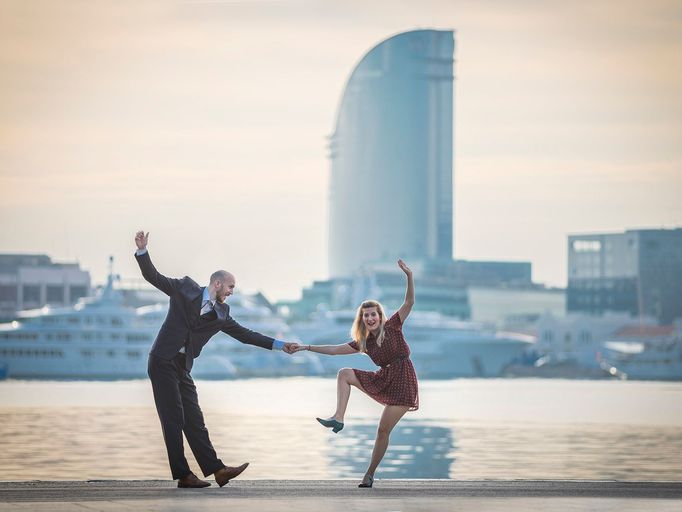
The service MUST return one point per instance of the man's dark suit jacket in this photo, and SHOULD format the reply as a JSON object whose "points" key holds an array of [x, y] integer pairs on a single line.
{"points": [[183, 327]]}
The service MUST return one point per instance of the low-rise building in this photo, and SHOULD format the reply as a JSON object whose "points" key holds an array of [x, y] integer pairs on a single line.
{"points": [[638, 272], [30, 281]]}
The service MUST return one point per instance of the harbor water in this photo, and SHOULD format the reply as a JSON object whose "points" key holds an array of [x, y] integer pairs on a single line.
{"points": [[465, 429]]}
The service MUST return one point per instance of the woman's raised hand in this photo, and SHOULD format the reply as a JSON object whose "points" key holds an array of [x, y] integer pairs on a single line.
{"points": [[404, 267]]}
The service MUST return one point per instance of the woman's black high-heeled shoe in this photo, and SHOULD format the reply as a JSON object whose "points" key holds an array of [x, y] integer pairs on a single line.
{"points": [[367, 481], [331, 423]]}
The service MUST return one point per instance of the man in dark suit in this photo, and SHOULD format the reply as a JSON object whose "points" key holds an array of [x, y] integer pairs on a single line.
{"points": [[195, 314]]}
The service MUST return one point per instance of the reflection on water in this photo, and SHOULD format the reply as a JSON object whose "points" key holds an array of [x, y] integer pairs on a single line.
{"points": [[465, 429], [580, 451], [415, 451]]}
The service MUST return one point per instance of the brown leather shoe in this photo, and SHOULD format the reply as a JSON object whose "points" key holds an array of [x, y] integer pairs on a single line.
{"points": [[192, 482], [224, 475]]}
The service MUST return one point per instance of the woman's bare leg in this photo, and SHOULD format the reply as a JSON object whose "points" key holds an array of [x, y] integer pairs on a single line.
{"points": [[389, 419], [344, 380]]}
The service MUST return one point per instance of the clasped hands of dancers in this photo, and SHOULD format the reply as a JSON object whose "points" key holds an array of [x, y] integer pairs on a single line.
{"points": [[197, 312]]}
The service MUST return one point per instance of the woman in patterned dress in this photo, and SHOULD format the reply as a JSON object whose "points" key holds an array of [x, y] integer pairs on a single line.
{"points": [[394, 385]]}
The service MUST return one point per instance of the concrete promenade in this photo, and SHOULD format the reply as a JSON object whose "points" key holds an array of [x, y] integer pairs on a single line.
{"points": [[317, 495]]}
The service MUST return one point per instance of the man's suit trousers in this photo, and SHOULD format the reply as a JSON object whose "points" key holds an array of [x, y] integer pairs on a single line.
{"points": [[177, 403]]}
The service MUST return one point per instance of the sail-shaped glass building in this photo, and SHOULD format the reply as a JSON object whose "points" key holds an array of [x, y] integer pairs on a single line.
{"points": [[391, 155]]}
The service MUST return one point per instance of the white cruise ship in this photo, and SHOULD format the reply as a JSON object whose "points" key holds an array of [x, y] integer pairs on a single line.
{"points": [[101, 338], [441, 347]]}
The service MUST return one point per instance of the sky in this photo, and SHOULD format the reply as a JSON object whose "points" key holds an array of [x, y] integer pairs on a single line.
{"points": [[206, 123]]}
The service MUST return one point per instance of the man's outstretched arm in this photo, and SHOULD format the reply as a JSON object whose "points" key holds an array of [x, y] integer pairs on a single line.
{"points": [[149, 272], [245, 335]]}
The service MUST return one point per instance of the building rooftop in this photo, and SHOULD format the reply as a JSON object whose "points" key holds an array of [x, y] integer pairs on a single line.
{"points": [[652, 331]]}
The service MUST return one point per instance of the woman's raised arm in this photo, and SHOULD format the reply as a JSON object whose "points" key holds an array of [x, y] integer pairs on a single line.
{"points": [[405, 309]]}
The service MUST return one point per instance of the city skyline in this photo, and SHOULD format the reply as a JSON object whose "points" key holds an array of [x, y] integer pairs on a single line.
{"points": [[114, 119]]}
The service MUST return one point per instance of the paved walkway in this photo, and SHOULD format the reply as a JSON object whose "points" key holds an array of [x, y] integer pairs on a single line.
{"points": [[304, 496]]}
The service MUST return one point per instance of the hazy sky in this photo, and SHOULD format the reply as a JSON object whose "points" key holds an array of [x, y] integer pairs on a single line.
{"points": [[205, 123]]}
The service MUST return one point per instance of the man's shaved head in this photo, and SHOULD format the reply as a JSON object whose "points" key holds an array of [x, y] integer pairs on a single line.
{"points": [[221, 285], [220, 275]]}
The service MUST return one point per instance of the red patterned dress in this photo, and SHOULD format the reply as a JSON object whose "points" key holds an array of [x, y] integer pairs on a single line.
{"points": [[395, 383]]}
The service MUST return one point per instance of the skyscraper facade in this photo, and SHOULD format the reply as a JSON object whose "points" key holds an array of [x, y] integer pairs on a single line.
{"points": [[391, 155]]}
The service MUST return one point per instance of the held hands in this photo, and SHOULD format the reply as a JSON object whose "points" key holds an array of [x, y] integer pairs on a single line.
{"points": [[291, 348], [404, 268], [141, 240]]}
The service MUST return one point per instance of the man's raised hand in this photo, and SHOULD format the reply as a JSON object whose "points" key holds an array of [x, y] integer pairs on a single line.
{"points": [[141, 240]]}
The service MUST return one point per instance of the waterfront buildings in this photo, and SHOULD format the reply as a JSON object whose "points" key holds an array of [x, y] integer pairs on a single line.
{"points": [[30, 281], [638, 272], [485, 273], [612, 344], [515, 308], [382, 282]]}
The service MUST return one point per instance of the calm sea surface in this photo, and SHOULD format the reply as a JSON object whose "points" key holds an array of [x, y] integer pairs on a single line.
{"points": [[465, 429]]}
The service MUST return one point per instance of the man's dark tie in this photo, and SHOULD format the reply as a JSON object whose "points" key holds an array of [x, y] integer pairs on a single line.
{"points": [[207, 310]]}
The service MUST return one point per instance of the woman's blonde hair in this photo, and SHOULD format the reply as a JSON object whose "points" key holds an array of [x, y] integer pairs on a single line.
{"points": [[359, 331]]}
